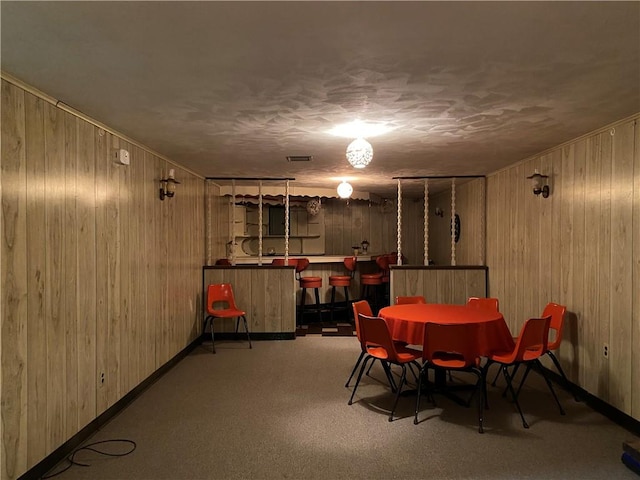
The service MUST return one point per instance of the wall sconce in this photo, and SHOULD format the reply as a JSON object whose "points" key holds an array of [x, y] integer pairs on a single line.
{"points": [[168, 185], [438, 212], [539, 183]]}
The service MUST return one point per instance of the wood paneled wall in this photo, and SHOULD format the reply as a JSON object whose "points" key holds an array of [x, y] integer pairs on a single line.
{"points": [[347, 225], [439, 284], [581, 248], [101, 281]]}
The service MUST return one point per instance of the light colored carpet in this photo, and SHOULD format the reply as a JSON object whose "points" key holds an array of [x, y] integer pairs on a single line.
{"points": [[279, 411]]}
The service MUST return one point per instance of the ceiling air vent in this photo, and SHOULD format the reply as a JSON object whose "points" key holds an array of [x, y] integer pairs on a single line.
{"points": [[299, 158]]}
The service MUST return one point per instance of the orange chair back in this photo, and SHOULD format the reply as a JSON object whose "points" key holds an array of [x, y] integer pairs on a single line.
{"points": [[375, 333], [450, 346], [217, 294], [484, 303], [557, 322], [302, 264], [410, 300], [383, 262], [361, 307], [350, 264], [533, 339]]}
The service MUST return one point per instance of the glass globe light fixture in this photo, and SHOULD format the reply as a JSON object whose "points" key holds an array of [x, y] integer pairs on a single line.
{"points": [[345, 189], [359, 153]]}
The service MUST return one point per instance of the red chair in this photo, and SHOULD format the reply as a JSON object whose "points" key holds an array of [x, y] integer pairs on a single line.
{"points": [[486, 303], [556, 326], [406, 300], [530, 346], [451, 347], [379, 346], [342, 281], [221, 304], [362, 307]]}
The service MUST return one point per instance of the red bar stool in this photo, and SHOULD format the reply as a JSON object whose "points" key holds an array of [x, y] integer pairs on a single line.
{"points": [[343, 281], [308, 282], [371, 284]]}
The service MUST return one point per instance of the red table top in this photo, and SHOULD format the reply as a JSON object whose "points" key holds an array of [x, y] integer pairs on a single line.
{"points": [[406, 323]]}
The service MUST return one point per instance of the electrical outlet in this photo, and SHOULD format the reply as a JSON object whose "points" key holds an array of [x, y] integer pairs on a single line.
{"points": [[605, 350], [102, 377]]}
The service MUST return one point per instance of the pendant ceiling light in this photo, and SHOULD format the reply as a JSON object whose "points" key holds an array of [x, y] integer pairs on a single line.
{"points": [[359, 153], [345, 189]]}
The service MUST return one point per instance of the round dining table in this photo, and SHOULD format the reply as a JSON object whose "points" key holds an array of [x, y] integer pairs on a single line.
{"points": [[407, 324]]}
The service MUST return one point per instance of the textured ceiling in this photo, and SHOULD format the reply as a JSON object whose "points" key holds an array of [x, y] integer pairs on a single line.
{"points": [[232, 88]]}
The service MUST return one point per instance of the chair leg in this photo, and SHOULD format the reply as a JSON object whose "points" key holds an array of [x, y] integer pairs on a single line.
{"points": [[546, 379], [246, 328], [333, 300], [480, 386], [355, 387], [420, 381], [564, 377], [209, 321], [362, 354], [317, 294], [403, 379], [495, 379], [507, 377], [513, 375], [414, 373], [415, 415], [346, 304], [387, 370], [301, 307], [484, 384], [524, 377]]}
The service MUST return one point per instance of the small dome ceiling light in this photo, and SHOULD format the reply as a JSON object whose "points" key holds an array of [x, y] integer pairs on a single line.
{"points": [[345, 189]]}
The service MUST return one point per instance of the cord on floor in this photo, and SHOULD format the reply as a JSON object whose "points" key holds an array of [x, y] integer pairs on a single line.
{"points": [[90, 447]]}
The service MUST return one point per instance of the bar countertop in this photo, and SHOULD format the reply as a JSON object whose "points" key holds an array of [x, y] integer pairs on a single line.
{"points": [[267, 259]]}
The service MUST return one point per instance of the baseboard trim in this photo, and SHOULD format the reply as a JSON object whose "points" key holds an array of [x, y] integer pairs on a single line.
{"points": [[242, 336], [63, 451], [612, 413]]}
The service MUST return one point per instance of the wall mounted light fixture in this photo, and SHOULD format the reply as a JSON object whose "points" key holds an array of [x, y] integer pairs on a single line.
{"points": [[168, 185], [539, 183]]}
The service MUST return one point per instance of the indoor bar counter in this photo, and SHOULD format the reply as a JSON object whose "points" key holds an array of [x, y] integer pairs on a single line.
{"points": [[270, 294]]}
